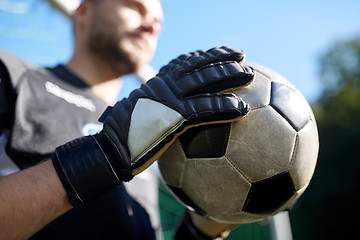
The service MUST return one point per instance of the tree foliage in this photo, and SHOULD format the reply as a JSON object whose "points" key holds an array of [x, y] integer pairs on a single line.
{"points": [[339, 107], [329, 209]]}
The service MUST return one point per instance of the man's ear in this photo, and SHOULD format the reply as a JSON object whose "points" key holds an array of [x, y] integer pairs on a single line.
{"points": [[81, 14]]}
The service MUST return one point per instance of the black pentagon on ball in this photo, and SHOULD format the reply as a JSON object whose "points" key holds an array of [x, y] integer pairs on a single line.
{"points": [[266, 196], [208, 141], [290, 104]]}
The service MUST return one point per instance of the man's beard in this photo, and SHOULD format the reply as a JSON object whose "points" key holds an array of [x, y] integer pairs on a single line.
{"points": [[104, 42]]}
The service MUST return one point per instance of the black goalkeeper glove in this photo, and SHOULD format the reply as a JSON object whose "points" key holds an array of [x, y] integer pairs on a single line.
{"points": [[185, 93]]}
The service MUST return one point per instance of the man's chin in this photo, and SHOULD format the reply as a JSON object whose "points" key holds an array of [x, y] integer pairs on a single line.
{"points": [[138, 61], [139, 53]]}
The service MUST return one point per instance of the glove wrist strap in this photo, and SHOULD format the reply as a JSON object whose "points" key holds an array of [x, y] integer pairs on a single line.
{"points": [[84, 170]]}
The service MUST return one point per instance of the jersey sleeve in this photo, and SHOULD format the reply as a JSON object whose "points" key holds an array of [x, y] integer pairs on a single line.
{"points": [[11, 70], [4, 102]]}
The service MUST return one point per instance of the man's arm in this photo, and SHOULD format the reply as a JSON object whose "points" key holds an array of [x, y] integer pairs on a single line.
{"points": [[29, 200]]}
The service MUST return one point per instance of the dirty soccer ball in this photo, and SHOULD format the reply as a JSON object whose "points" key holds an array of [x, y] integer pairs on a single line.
{"points": [[253, 168]]}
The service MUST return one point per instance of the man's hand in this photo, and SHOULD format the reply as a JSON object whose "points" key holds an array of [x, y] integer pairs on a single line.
{"points": [[185, 93]]}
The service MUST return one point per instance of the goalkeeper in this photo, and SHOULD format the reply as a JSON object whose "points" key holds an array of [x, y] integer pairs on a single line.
{"points": [[58, 183]]}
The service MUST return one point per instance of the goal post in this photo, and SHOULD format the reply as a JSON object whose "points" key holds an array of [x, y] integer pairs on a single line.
{"points": [[280, 227]]}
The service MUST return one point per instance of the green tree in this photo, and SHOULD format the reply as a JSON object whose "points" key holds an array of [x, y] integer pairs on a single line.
{"points": [[329, 209], [339, 107]]}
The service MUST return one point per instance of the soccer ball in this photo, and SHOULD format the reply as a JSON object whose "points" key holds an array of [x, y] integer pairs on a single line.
{"points": [[253, 168]]}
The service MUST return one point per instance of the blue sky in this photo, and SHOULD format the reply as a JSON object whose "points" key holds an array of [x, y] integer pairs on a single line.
{"points": [[288, 36]]}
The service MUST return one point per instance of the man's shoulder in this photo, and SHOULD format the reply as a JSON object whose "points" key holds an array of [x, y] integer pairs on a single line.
{"points": [[14, 67]]}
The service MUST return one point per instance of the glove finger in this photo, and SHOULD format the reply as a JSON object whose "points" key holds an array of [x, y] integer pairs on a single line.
{"points": [[215, 78], [214, 55], [195, 58], [191, 61], [214, 108]]}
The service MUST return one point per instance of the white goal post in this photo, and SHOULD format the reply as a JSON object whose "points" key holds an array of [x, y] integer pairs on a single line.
{"points": [[280, 226]]}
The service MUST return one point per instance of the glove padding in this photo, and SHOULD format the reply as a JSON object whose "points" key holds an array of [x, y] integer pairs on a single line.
{"points": [[185, 93]]}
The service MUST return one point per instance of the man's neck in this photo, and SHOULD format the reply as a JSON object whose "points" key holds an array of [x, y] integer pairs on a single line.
{"points": [[103, 80], [108, 91]]}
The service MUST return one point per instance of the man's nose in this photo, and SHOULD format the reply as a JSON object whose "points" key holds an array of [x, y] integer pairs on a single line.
{"points": [[151, 23]]}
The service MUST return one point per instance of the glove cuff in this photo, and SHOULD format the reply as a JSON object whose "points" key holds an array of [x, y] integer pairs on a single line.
{"points": [[84, 170]]}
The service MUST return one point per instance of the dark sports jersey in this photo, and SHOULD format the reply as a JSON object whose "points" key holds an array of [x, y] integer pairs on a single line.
{"points": [[41, 109]]}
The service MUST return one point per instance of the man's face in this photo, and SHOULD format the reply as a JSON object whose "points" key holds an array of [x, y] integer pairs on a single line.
{"points": [[125, 32]]}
